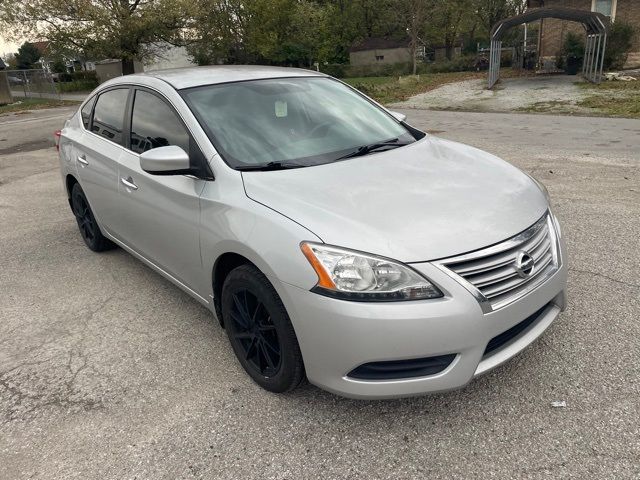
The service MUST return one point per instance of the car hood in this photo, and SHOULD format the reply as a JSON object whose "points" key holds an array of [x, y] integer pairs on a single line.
{"points": [[428, 200]]}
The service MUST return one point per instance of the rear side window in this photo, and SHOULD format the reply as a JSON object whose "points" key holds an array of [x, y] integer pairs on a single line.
{"points": [[86, 112], [108, 115], [155, 124]]}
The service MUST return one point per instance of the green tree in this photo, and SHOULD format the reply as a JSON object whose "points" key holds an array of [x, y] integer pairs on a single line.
{"points": [[286, 32], [490, 12], [220, 32], [413, 15], [348, 21], [27, 56], [11, 61], [281, 32], [59, 66], [449, 20], [102, 28], [619, 44]]}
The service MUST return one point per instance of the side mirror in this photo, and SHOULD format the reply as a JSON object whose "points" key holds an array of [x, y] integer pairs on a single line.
{"points": [[171, 160], [401, 117]]}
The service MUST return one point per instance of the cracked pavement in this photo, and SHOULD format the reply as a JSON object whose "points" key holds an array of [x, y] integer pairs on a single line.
{"points": [[109, 371]]}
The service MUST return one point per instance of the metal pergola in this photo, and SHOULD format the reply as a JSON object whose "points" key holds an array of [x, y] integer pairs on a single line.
{"points": [[595, 24]]}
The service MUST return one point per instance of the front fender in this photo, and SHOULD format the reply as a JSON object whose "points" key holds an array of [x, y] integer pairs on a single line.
{"points": [[265, 237]]}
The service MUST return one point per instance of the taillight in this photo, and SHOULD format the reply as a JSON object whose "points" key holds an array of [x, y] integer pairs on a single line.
{"points": [[56, 139]]}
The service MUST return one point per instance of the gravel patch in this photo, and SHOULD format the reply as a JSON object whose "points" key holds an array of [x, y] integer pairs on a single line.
{"points": [[554, 94]]}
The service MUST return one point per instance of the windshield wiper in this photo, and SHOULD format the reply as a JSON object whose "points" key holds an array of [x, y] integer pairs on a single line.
{"points": [[366, 149], [264, 167]]}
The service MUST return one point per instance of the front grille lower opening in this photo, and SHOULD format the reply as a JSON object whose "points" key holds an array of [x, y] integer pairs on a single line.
{"points": [[401, 369], [509, 335]]}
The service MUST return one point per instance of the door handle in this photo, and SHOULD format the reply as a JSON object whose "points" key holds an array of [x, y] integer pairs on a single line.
{"points": [[83, 160], [128, 182]]}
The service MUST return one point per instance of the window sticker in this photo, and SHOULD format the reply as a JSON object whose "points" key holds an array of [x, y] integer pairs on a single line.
{"points": [[281, 109]]}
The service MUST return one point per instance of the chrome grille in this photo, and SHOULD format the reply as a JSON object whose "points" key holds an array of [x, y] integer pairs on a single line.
{"points": [[491, 273]]}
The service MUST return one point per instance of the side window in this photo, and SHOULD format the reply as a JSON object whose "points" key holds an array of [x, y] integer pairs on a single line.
{"points": [[108, 115], [86, 112], [604, 7], [154, 124]]}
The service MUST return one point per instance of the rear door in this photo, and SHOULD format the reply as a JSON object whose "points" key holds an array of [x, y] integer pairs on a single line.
{"points": [[159, 214], [99, 151]]}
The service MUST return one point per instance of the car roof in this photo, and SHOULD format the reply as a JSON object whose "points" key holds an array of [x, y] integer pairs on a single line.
{"points": [[190, 77]]}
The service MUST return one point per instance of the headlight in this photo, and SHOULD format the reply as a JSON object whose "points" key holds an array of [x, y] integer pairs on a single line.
{"points": [[357, 276]]}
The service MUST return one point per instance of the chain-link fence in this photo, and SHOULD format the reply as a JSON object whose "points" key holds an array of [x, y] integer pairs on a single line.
{"points": [[32, 84]]}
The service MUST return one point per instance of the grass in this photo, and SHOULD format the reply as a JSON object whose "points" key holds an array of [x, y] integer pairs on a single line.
{"points": [[369, 80], [396, 89], [25, 104], [614, 98]]}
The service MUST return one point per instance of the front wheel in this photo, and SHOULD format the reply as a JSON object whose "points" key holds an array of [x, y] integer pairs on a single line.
{"points": [[260, 332]]}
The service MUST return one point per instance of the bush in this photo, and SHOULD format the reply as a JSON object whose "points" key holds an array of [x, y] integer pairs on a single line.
{"points": [[78, 76], [59, 67], [334, 69], [366, 88], [77, 81], [573, 46], [462, 63], [77, 86], [376, 70], [572, 53], [65, 77], [619, 44], [88, 75], [457, 64]]}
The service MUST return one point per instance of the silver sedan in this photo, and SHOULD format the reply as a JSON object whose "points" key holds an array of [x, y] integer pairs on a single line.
{"points": [[332, 240]]}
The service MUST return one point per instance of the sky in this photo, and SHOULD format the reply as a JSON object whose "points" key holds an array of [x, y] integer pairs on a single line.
{"points": [[7, 47]]}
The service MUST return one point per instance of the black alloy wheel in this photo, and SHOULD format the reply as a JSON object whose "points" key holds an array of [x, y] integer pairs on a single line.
{"points": [[255, 333], [260, 331], [87, 224]]}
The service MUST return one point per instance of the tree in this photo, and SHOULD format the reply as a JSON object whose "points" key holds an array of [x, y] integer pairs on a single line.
{"points": [[101, 28], [449, 20], [348, 21], [27, 56], [59, 66], [285, 32], [220, 30], [619, 44], [280, 32], [414, 16], [11, 61], [490, 12]]}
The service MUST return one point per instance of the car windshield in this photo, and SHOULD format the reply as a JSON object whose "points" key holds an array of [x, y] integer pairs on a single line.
{"points": [[292, 122]]}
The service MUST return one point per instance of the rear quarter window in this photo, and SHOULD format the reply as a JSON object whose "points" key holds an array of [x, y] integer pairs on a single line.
{"points": [[85, 113]]}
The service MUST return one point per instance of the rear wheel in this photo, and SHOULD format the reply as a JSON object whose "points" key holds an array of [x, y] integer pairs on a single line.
{"points": [[260, 331], [87, 223]]}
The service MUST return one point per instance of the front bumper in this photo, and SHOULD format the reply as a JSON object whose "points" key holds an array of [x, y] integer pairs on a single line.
{"points": [[336, 336]]}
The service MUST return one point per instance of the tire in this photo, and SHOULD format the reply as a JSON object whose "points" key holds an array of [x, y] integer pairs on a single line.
{"points": [[87, 224], [260, 330]]}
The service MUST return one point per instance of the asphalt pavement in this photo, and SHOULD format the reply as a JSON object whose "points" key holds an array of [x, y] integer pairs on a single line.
{"points": [[109, 371]]}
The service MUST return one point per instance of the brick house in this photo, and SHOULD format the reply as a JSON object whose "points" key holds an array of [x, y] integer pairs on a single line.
{"points": [[552, 31]]}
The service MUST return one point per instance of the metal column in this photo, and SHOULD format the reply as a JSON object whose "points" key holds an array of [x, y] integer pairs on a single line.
{"points": [[604, 46], [494, 62]]}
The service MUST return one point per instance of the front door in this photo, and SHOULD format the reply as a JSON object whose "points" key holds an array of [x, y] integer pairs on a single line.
{"points": [[160, 214]]}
